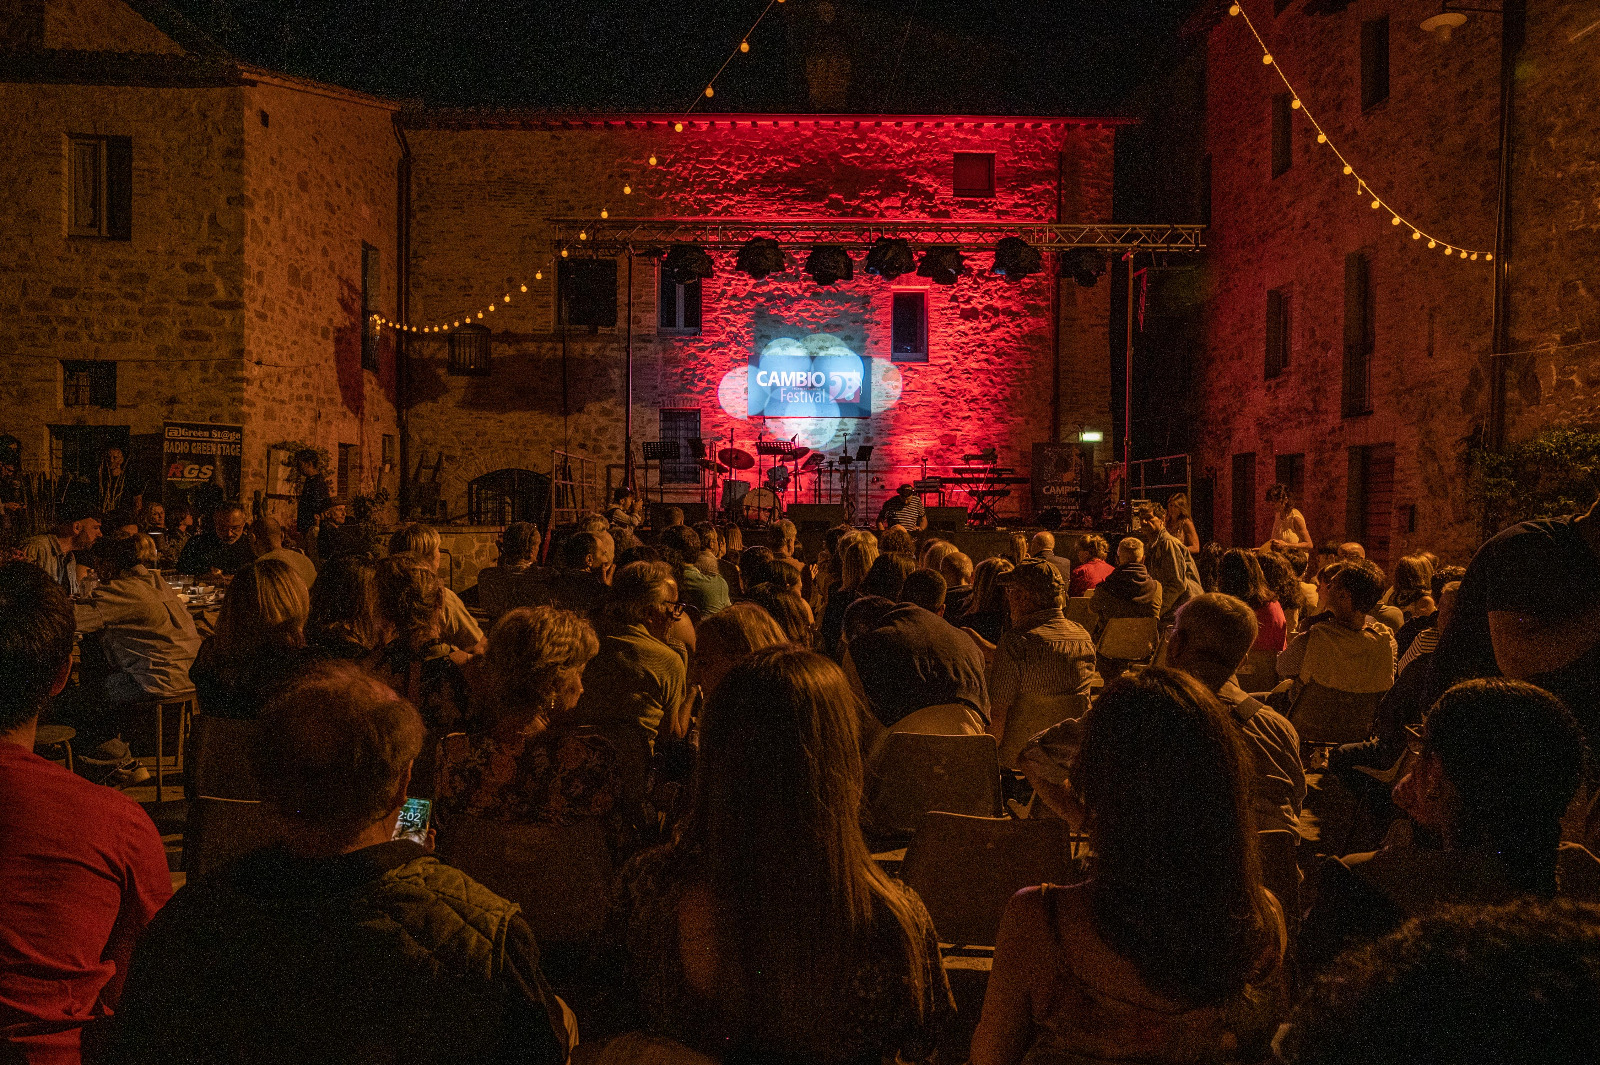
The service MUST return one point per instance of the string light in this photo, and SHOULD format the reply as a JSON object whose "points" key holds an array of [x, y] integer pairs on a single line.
{"points": [[1322, 138], [744, 46]]}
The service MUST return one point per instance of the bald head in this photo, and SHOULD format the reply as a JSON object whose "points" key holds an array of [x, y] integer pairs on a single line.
{"points": [[1042, 543], [268, 533], [1212, 635]]}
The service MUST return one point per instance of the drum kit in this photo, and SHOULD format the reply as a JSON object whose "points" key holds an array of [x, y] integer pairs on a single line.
{"points": [[760, 498]]}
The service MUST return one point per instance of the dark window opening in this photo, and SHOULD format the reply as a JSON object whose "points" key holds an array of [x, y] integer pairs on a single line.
{"points": [[1205, 191], [1278, 336], [469, 351], [908, 341], [1282, 133], [1374, 62], [509, 495], [89, 384], [974, 174], [369, 307], [1369, 500], [100, 187], [1290, 471], [1280, 6], [1244, 499], [680, 427], [1360, 335], [587, 292], [679, 306]]}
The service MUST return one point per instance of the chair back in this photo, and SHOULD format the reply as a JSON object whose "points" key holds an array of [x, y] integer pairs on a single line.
{"points": [[559, 874], [967, 868], [217, 830], [1327, 715], [917, 773], [1031, 714], [1258, 672], [219, 762], [1129, 639], [1079, 608], [943, 719]]}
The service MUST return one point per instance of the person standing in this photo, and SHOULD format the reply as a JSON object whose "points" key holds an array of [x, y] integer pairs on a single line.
{"points": [[315, 491], [118, 498], [1181, 522], [1167, 560]]}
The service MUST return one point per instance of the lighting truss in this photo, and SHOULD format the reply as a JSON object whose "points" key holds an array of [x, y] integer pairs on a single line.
{"points": [[619, 233]]}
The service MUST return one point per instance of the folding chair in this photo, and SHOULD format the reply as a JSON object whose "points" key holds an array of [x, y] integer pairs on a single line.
{"points": [[559, 874], [1079, 608], [226, 818], [1326, 715], [1033, 714], [943, 719], [1258, 672], [1129, 639], [917, 773]]}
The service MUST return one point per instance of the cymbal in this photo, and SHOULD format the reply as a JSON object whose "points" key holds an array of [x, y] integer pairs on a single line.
{"points": [[812, 461], [708, 464], [736, 459], [798, 454]]}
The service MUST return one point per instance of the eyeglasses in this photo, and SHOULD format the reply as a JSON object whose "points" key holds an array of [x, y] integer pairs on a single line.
{"points": [[675, 610]]}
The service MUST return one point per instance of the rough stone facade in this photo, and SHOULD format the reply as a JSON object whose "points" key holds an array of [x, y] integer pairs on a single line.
{"points": [[486, 189]]}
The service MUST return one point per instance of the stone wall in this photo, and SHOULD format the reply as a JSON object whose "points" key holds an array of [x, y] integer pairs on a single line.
{"points": [[483, 198]]}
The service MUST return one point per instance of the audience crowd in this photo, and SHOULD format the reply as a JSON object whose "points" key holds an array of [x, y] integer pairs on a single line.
{"points": [[1318, 813]]}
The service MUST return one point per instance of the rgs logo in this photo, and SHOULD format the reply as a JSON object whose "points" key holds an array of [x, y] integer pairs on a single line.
{"points": [[189, 471]]}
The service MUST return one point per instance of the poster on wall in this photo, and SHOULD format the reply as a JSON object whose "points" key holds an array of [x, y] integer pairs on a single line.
{"points": [[202, 464], [815, 376], [1061, 474]]}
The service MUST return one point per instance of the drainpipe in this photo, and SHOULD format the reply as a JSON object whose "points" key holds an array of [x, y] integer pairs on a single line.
{"points": [[402, 349]]}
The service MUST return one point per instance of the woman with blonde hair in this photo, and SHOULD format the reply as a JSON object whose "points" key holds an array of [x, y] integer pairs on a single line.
{"points": [[764, 931], [725, 638], [857, 553], [1180, 522], [258, 643], [525, 762], [1016, 548], [986, 612], [413, 657]]}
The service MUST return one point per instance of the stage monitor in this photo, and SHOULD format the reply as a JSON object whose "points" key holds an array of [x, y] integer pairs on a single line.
{"points": [[815, 377]]}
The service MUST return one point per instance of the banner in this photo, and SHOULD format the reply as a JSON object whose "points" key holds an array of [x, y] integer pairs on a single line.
{"points": [[201, 463], [1061, 475], [813, 377]]}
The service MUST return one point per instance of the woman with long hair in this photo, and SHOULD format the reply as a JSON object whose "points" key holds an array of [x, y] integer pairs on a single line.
{"points": [[412, 657], [258, 642], [1280, 576], [858, 551], [987, 612], [1016, 548], [344, 609], [1497, 766], [1180, 522], [765, 931], [1240, 576], [792, 613], [1172, 951], [1288, 524]]}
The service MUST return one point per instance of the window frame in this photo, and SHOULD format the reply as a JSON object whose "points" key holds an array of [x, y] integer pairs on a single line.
{"points": [[921, 297], [972, 192], [1282, 134], [113, 192], [1375, 62], [681, 302], [683, 470], [1242, 504], [1280, 332], [477, 363], [1360, 336], [371, 282], [98, 383], [566, 276]]}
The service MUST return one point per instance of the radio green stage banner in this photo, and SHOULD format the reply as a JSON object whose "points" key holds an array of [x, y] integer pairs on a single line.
{"points": [[202, 463]]}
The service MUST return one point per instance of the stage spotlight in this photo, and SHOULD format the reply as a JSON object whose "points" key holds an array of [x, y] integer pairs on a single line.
{"points": [[829, 263], [889, 257], [687, 263], [1015, 259], [760, 256], [942, 264], [1084, 264]]}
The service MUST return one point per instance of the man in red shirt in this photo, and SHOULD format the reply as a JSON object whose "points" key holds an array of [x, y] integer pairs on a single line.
{"points": [[82, 866]]}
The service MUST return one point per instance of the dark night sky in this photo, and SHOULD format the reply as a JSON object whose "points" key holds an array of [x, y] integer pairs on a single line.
{"points": [[973, 56]]}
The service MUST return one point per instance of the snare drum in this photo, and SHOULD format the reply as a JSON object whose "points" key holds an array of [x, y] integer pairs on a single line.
{"points": [[762, 504]]}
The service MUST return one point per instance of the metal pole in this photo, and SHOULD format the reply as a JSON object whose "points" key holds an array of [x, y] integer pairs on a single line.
{"points": [[627, 410], [1127, 394], [1512, 26]]}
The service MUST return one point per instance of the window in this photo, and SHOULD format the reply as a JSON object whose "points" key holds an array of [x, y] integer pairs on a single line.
{"points": [[1282, 133], [1369, 500], [1205, 191], [1374, 62], [89, 384], [388, 451], [974, 174], [1290, 471], [680, 426], [1278, 335], [369, 307], [587, 292], [909, 328], [1360, 334], [469, 351], [679, 306], [1280, 6], [1244, 499], [100, 187], [349, 467]]}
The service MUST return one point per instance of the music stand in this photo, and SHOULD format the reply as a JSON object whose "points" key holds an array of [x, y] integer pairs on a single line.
{"points": [[658, 450], [864, 456]]}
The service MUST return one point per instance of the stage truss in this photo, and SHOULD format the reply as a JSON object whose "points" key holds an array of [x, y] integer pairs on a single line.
{"points": [[642, 234]]}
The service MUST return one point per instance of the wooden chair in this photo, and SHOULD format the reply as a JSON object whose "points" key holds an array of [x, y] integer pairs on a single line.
{"points": [[943, 719], [1033, 714], [1327, 715], [1129, 639], [180, 703], [1080, 609], [559, 874], [917, 773], [967, 868], [226, 818]]}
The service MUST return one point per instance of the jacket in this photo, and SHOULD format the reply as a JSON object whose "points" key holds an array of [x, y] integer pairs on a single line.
{"points": [[149, 634], [1129, 592]]}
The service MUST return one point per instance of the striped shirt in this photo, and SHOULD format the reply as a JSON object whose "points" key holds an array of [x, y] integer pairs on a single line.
{"points": [[904, 511]]}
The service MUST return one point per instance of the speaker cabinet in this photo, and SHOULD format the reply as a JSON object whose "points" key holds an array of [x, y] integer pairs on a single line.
{"points": [[947, 519]]}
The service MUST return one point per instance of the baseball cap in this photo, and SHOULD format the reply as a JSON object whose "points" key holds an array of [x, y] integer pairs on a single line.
{"points": [[1036, 575]]}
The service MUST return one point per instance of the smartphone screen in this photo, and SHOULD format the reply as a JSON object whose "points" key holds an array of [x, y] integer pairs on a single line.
{"points": [[413, 822]]}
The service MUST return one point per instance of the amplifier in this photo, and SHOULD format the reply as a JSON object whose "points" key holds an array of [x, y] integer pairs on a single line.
{"points": [[825, 514], [947, 518]]}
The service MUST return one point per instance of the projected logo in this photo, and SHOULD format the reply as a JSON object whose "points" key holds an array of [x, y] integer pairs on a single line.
{"points": [[816, 377]]}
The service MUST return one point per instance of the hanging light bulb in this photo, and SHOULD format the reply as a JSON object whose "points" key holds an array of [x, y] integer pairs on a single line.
{"points": [[491, 310], [627, 190], [524, 288], [1295, 103], [583, 234], [1347, 169], [1415, 235], [1394, 220], [1488, 257], [480, 314], [710, 92], [652, 160], [538, 275], [508, 297], [1267, 59], [744, 46], [1233, 10], [677, 127], [604, 213], [1432, 243], [1463, 255], [1322, 138], [1376, 204], [1474, 256]]}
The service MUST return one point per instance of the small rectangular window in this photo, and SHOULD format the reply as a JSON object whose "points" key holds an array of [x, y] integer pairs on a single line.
{"points": [[1278, 335], [909, 328], [369, 307], [680, 426], [469, 351], [1374, 62], [587, 292], [1360, 336], [1244, 499], [349, 470], [974, 174], [1290, 471], [1282, 133], [679, 306], [1369, 500], [100, 187], [89, 383], [388, 450]]}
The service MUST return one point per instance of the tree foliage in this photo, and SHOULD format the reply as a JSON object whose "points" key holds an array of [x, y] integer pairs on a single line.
{"points": [[1554, 472]]}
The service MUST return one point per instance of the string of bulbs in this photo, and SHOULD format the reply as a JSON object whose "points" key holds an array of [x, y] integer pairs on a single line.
{"points": [[1362, 188], [473, 317]]}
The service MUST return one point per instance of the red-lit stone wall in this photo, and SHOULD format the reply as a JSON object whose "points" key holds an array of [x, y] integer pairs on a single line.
{"points": [[483, 200]]}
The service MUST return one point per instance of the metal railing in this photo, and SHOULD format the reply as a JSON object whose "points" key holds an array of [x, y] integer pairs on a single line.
{"points": [[574, 486], [1165, 467]]}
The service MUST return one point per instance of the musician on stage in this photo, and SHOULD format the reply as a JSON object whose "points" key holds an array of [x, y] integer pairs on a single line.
{"points": [[904, 509], [625, 509]]}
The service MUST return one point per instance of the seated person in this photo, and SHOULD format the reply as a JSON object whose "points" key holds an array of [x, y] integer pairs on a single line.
{"points": [[269, 541], [704, 593], [258, 643], [76, 530], [1240, 576], [1042, 656], [344, 610], [223, 549], [1173, 949], [710, 923], [458, 629], [903, 510], [1500, 761], [413, 657], [1043, 546], [519, 546], [626, 512], [956, 569], [924, 588], [910, 659], [582, 582], [525, 763], [888, 574], [792, 614], [1349, 652], [84, 869], [1127, 591], [1092, 567], [986, 613], [1468, 985], [344, 944]]}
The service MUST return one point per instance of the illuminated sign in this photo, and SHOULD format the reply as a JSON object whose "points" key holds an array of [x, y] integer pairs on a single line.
{"points": [[1091, 436], [816, 376]]}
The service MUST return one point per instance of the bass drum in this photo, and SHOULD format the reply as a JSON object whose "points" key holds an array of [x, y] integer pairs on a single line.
{"points": [[733, 491], [762, 504]]}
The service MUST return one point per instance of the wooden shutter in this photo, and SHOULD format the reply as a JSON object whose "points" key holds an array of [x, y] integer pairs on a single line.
{"points": [[119, 188], [1358, 335]]}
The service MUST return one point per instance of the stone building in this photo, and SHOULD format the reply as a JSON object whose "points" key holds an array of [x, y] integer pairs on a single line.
{"points": [[1340, 355], [193, 239]]}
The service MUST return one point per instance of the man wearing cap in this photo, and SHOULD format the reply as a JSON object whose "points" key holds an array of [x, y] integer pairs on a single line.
{"points": [[1043, 655], [904, 509], [76, 529]]}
